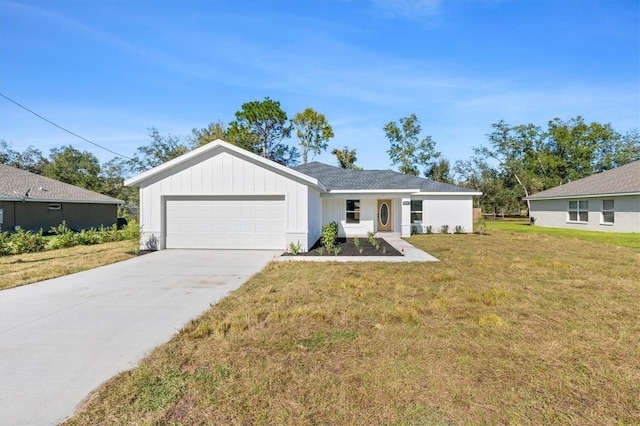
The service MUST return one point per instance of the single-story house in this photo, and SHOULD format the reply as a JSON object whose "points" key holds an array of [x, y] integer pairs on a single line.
{"points": [[33, 202], [607, 201], [222, 196]]}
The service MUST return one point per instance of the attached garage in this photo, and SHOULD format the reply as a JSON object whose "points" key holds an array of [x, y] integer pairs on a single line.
{"points": [[223, 222], [220, 196]]}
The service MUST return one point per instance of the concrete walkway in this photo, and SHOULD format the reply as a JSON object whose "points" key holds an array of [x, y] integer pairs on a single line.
{"points": [[411, 254], [61, 338]]}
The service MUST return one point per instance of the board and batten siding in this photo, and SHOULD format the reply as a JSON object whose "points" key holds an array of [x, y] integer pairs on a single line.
{"points": [[452, 210], [554, 214], [222, 174]]}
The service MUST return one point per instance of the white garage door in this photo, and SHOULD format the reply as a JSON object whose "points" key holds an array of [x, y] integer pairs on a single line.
{"points": [[225, 222]]}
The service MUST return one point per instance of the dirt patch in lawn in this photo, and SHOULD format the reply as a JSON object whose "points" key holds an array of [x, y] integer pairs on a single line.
{"points": [[348, 247]]}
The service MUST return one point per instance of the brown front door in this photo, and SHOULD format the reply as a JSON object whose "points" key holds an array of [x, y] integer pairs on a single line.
{"points": [[384, 215]]}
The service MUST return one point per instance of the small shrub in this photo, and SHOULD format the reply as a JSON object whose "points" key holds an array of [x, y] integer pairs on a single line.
{"points": [[444, 229], [480, 225], [5, 244], [336, 250], [27, 242], [458, 229], [384, 250], [360, 250], [377, 245], [329, 235], [65, 237], [429, 229], [372, 238], [414, 229], [294, 248], [87, 237], [131, 231], [356, 242], [110, 234], [321, 251]]}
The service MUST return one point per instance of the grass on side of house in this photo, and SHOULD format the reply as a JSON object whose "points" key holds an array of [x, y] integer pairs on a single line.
{"points": [[21, 269], [613, 238], [509, 328]]}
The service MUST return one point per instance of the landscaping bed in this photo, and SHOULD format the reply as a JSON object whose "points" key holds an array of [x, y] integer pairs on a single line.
{"points": [[348, 247]]}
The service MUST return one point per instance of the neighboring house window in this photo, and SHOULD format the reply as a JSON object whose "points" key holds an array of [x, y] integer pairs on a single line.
{"points": [[579, 211], [608, 211], [416, 211], [55, 206], [353, 211]]}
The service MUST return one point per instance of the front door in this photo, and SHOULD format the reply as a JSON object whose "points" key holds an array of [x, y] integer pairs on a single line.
{"points": [[384, 215]]}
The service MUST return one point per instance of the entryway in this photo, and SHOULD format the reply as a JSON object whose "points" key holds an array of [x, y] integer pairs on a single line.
{"points": [[384, 215]]}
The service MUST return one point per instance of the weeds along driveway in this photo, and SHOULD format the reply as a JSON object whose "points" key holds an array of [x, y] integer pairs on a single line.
{"points": [[61, 338]]}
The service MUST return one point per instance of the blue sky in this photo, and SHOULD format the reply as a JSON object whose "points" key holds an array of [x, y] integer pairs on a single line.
{"points": [[108, 70]]}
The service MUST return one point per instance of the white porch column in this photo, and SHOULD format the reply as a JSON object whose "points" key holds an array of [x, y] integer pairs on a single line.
{"points": [[406, 217]]}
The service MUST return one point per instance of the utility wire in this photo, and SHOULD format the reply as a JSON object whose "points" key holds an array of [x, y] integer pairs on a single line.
{"points": [[62, 128]]}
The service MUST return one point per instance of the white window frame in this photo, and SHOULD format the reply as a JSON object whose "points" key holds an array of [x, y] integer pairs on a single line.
{"points": [[55, 207], [608, 216], [355, 211], [578, 208], [416, 212]]}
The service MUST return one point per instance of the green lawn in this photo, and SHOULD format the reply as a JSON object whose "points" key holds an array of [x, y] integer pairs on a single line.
{"points": [[508, 328], [614, 238]]}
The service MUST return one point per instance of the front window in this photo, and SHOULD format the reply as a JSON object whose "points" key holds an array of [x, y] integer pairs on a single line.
{"points": [[608, 211], [353, 211], [416, 211], [579, 211]]}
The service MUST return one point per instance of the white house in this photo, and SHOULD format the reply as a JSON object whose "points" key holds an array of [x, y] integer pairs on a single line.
{"points": [[607, 201], [222, 196]]}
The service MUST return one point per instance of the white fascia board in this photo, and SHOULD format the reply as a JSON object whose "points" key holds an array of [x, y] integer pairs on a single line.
{"points": [[372, 191], [573, 197], [447, 193], [225, 145]]}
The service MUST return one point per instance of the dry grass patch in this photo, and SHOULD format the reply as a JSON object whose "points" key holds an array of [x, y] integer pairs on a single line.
{"points": [[28, 268], [506, 329]]}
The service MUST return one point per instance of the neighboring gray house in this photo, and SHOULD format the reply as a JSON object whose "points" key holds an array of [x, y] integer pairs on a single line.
{"points": [[607, 201], [222, 196], [33, 202]]}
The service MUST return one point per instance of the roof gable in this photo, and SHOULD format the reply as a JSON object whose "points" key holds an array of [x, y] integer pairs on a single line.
{"points": [[621, 180], [209, 150], [21, 185], [338, 179]]}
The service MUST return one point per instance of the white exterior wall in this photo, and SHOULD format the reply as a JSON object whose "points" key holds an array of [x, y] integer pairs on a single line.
{"points": [[452, 210], [554, 214], [222, 174], [315, 217], [334, 208]]}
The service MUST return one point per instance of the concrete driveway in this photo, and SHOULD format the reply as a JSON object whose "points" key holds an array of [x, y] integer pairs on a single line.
{"points": [[61, 338]]}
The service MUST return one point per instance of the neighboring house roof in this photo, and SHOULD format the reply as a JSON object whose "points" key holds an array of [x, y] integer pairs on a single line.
{"points": [[623, 180], [21, 185], [213, 146], [336, 179]]}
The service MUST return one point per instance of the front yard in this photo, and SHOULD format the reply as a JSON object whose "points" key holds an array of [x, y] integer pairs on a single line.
{"points": [[508, 328]]}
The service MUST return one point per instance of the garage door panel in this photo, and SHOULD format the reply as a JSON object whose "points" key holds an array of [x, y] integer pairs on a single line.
{"points": [[225, 223]]}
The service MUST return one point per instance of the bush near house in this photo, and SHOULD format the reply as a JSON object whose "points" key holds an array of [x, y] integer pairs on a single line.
{"points": [[23, 241]]}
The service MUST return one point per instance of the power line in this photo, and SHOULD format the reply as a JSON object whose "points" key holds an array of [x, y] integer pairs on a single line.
{"points": [[62, 128]]}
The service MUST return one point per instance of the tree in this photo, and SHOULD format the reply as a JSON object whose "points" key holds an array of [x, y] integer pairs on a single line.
{"points": [[214, 131], [407, 150], [30, 159], [260, 127], [440, 171], [628, 148], [314, 132], [69, 165], [346, 158], [160, 150]]}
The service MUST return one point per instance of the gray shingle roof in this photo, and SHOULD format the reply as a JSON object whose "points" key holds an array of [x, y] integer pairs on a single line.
{"points": [[336, 178], [622, 180], [14, 184]]}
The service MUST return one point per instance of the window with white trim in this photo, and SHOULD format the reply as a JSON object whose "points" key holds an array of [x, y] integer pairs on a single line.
{"points": [[608, 211], [416, 211], [353, 211], [55, 206], [579, 211]]}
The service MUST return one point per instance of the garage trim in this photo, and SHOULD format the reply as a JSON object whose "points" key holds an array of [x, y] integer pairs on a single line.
{"points": [[229, 198]]}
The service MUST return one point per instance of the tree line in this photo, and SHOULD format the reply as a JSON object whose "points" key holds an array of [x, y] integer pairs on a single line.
{"points": [[515, 162]]}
